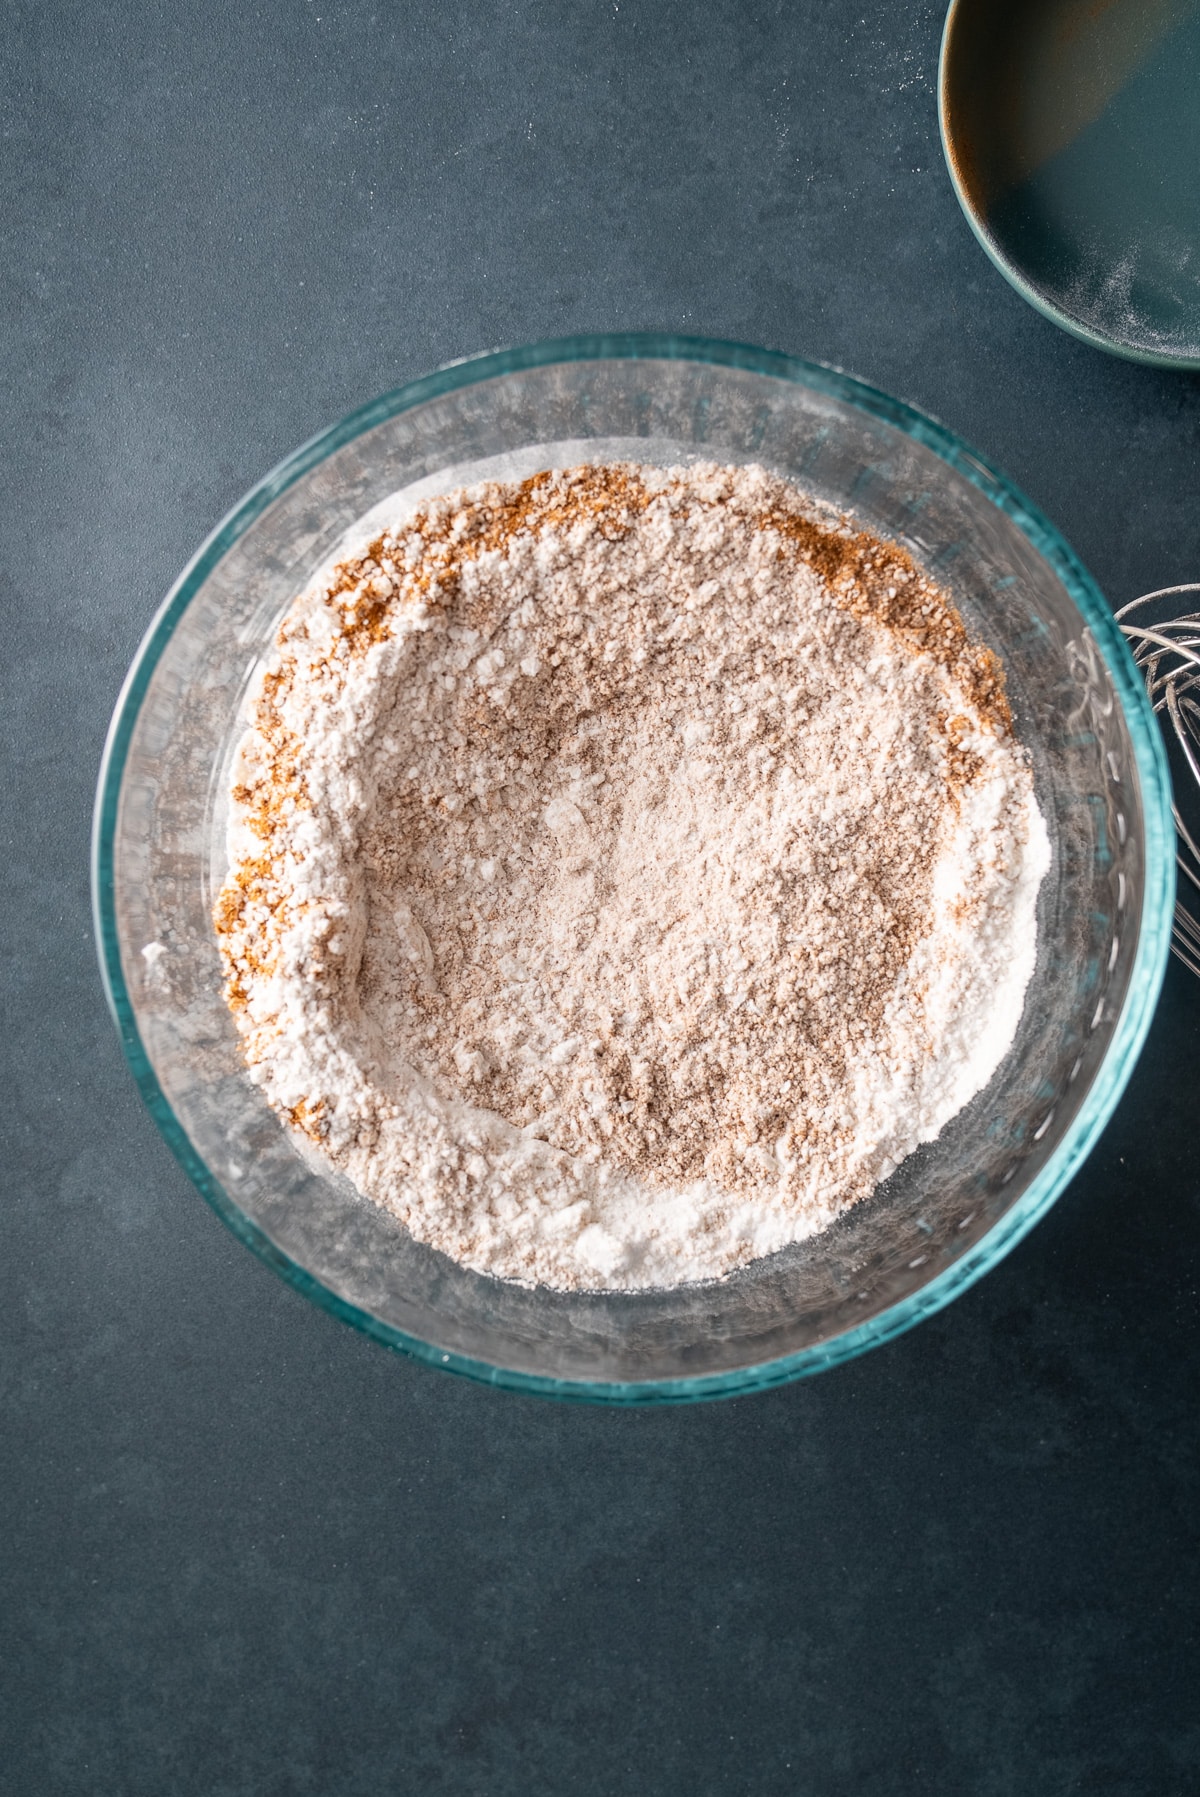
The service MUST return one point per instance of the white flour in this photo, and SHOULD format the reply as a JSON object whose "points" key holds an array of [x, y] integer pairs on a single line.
{"points": [[629, 869]]}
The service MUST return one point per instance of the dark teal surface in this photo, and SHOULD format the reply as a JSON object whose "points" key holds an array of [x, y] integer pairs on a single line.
{"points": [[245, 1553]]}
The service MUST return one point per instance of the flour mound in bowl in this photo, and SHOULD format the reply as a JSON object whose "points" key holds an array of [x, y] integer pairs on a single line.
{"points": [[628, 868]]}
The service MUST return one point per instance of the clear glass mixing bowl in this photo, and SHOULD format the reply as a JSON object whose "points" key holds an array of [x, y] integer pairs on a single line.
{"points": [[954, 1207]]}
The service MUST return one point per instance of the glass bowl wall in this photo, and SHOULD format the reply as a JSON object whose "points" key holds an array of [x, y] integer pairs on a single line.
{"points": [[952, 1209]]}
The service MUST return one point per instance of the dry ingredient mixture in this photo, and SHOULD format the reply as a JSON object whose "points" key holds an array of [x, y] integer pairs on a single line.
{"points": [[628, 868]]}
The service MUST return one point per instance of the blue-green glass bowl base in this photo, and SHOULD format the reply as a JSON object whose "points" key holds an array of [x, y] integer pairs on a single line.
{"points": [[952, 1209]]}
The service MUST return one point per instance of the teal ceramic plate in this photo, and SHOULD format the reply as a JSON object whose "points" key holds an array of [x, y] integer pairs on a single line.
{"points": [[1072, 133]]}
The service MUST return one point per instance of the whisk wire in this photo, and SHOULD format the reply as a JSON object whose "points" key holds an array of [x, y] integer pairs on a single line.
{"points": [[1167, 652]]}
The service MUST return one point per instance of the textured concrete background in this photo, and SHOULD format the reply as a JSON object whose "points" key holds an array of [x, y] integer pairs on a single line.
{"points": [[244, 1553]]}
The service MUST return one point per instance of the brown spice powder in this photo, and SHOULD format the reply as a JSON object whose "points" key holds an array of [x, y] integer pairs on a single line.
{"points": [[646, 855]]}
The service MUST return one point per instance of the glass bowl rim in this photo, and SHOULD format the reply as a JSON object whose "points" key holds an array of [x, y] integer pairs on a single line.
{"points": [[1154, 936]]}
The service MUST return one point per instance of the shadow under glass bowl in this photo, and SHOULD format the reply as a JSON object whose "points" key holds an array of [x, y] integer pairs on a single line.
{"points": [[953, 1208]]}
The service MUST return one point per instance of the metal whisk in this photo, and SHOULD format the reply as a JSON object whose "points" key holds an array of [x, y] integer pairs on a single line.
{"points": [[1167, 650]]}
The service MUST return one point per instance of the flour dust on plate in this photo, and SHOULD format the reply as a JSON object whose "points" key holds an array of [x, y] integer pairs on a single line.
{"points": [[628, 868], [1072, 135]]}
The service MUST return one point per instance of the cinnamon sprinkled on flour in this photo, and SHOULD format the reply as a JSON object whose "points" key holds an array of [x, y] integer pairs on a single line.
{"points": [[628, 868]]}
